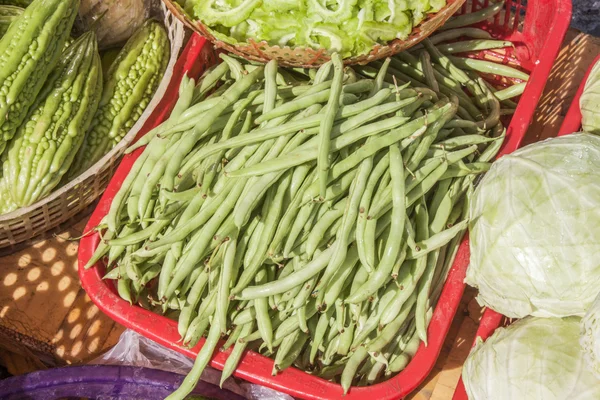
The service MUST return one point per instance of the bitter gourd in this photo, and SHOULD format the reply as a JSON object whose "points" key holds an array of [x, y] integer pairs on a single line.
{"points": [[7, 15], [6, 202], [44, 146], [130, 85], [28, 52], [18, 3]]}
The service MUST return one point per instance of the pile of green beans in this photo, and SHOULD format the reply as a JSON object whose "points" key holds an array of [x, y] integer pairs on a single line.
{"points": [[311, 216]]}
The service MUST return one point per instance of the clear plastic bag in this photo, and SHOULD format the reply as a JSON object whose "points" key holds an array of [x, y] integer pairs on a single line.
{"points": [[136, 350]]}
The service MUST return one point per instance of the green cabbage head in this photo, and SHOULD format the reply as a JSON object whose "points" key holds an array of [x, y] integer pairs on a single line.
{"points": [[589, 102], [532, 359], [590, 337], [535, 230]]}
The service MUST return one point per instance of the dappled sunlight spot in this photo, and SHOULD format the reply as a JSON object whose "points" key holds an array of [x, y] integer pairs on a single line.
{"points": [[91, 312], [93, 345], [73, 315], [64, 283], [94, 327], [76, 348], [69, 299], [10, 279], [24, 260], [49, 254], [3, 311], [74, 265], [34, 274], [19, 292], [75, 331], [39, 245], [42, 287], [57, 268], [60, 350], [71, 249], [59, 335]]}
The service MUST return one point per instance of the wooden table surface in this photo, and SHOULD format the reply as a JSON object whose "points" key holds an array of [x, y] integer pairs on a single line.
{"points": [[46, 319]]}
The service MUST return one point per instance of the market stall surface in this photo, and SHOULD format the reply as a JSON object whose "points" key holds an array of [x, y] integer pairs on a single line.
{"points": [[47, 320]]}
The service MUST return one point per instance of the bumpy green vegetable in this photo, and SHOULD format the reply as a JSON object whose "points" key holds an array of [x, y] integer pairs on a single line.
{"points": [[6, 203], [7, 15], [19, 3], [44, 146], [130, 84], [28, 52]]}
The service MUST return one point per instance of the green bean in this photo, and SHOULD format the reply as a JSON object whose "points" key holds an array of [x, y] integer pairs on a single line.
{"points": [[236, 354], [192, 301], [457, 171], [184, 101], [210, 79], [511, 91], [290, 215], [365, 202], [224, 281], [410, 273], [323, 223], [196, 330], [317, 338], [474, 17], [450, 34], [422, 303], [390, 330], [340, 253], [428, 71], [262, 313], [332, 108], [323, 72], [352, 365], [436, 241], [397, 227], [473, 45], [289, 350], [329, 293], [489, 67], [380, 77]]}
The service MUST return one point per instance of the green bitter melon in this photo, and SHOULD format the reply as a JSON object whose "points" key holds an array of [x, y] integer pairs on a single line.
{"points": [[130, 84], [45, 145], [28, 52], [7, 15]]}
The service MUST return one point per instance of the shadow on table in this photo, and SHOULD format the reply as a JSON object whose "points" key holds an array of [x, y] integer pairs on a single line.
{"points": [[44, 313]]}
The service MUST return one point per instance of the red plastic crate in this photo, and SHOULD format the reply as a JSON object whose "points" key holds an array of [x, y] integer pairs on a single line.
{"points": [[491, 320], [537, 28]]}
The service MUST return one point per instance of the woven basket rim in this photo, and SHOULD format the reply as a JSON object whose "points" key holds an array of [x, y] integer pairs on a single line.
{"points": [[260, 51], [116, 151]]}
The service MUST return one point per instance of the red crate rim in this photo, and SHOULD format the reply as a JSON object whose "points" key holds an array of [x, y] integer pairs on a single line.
{"points": [[257, 368]]}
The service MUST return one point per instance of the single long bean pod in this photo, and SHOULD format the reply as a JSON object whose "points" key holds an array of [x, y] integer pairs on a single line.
{"points": [[327, 123], [474, 17], [204, 356], [397, 228]]}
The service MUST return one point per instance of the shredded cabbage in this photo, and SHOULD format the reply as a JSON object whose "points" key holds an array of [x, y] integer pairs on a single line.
{"points": [[533, 359], [349, 27], [590, 337], [535, 229]]}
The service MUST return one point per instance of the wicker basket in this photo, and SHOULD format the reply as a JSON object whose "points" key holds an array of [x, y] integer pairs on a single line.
{"points": [[70, 200], [308, 57]]}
